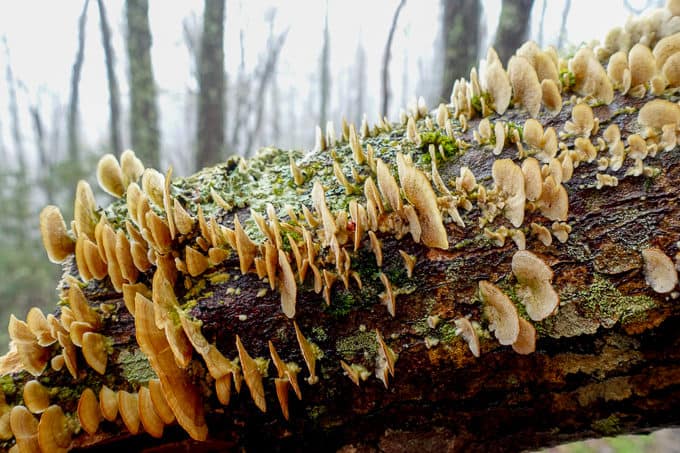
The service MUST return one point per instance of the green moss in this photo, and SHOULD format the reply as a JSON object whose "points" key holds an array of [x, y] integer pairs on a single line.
{"points": [[604, 300], [319, 334], [355, 344], [7, 385], [136, 368], [436, 138], [609, 426], [447, 332]]}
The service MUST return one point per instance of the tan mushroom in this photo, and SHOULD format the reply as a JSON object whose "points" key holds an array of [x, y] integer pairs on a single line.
{"points": [[288, 287], [659, 271], [252, 376], [25, 428], [59, 245], [108, 403], [54, 431], [128, 406], [110, 176], [526, 340], [659, 112], [535, 289], [526, 87], [501, 312], [420, 194], [131, 167], [308, 353], [182, 396], [151, 421], [89, 414], [36, 397], [509, 181], [467, 331]]}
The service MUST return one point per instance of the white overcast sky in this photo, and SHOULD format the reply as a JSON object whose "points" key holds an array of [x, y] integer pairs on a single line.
{"points": [[41, 35]]}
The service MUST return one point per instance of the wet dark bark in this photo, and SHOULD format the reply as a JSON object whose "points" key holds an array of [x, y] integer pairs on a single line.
{"points": [[144, 129], [211, 125], [460, 33], [513, 27]]}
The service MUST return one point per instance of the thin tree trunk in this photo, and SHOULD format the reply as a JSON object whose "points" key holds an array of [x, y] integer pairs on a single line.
{"points": [[211, 124], [562, 39], [460, 31], [385, 73], [45, 164], [541, 24], [242, 94], [513, 27], [274, 49], [114, 93], [144, 129], [359, 85], [15, 122], [325, 80], [74, 97]]}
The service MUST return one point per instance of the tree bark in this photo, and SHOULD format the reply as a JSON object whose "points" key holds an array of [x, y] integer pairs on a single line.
{"points": [[460, 31], [607, 362], [210, 130], [513, 27], [386, 91], [114, 93], [144, 129]]}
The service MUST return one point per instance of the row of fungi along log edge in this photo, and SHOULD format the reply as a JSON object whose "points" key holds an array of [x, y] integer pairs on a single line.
{"points": [[148, 242]]}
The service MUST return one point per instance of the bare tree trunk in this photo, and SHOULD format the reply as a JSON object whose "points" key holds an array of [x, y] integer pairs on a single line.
{"points": [[541, 24], [211, 123], [359, 85], [562, 39], [72, 119], [325, 81], [45, 163], [386, 90], [267, 72], [114, 93], [460, 30], [144, 130], [15, 122], [513, 27], [242, 94]]}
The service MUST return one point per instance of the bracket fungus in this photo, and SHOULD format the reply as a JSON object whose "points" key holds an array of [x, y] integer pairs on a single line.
{"points": [[501, 312], [659, 270], [535, 291]]}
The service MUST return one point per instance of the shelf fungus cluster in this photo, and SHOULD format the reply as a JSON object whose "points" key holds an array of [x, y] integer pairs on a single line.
{"points": [[354, 219]]}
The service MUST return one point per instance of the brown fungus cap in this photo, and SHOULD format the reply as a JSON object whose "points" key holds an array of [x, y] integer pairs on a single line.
{"points": [[659, 112], [288, 287], [526, 87], [496, 82], [659, 271], [509, 180], [501, 312], [89, 414], [59, 245], [252, 376], [108, 403], [467, 331], [182, 395], [151, 421], [110, 176], [420, 194], [535, 291], [129, 410], [526, 340], [36, 397], [54, 432]]}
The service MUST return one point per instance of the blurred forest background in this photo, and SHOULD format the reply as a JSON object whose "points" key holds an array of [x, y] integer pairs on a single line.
{"points": [[186, 84]]}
